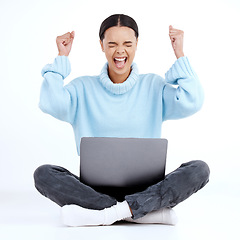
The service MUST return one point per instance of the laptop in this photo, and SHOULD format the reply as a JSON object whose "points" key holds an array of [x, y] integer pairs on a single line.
{"points": [[121, 166]]}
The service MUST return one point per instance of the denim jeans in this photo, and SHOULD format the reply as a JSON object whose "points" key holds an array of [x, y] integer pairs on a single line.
{"points": [[63, 187]]}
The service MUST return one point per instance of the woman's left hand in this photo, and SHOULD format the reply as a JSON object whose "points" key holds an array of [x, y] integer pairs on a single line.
{"points": [[176, 37]]}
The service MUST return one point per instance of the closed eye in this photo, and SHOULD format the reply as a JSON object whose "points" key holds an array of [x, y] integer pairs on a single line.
{"points": [[112, 44], [128, 43]]}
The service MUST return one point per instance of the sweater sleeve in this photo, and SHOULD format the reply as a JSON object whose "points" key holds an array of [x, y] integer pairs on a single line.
{"points": [[186, 98], [55, 99]]}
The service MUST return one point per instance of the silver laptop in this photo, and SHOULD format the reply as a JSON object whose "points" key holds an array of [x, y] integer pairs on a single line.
{"points": [[122, 162]]}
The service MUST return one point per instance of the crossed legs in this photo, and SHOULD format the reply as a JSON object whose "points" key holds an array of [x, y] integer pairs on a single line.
{"points": [[65, 189]]}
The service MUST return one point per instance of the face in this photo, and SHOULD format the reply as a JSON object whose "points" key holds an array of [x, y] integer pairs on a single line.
{"points": [[119, 45]]}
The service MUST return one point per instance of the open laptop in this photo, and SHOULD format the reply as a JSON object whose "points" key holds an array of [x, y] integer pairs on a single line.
{"points": [[121, 166]]}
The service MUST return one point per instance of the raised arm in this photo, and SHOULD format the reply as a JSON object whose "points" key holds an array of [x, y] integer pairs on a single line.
{"points": [[55, 99], [186, 97]]}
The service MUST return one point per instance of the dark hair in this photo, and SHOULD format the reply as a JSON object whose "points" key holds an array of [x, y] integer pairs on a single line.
{"points": [[120, 20]]}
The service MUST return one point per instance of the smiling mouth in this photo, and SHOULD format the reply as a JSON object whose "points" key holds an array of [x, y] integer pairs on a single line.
{"points": [[120, 62]]}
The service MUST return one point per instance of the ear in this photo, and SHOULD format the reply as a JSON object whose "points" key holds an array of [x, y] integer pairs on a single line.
{"points": [[101, 43], [136, 43]]}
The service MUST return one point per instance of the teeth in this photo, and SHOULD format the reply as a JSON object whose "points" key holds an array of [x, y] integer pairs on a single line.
{"points": [[120, 59]]}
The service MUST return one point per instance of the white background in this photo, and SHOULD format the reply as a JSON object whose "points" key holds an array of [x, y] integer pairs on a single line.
{"points": [[28, 29]]}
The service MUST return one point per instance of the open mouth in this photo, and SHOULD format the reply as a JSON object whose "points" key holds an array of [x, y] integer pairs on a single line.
{"points": [[120, 62]]}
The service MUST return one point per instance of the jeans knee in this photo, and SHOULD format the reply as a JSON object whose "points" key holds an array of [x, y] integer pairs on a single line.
{"points": [[41, 174], [201, 169]]}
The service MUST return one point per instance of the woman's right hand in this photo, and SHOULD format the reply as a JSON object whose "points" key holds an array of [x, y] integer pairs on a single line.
{"points": [[64, 43]]}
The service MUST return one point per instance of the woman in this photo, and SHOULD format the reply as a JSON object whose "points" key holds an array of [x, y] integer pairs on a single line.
{"points": [[119, 103]]}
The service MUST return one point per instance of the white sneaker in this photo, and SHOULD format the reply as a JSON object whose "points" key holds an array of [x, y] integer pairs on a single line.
{"points": [[162, 216]]}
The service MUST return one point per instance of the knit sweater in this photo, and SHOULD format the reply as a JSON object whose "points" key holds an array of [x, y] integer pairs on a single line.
{"points": [[96, 107]]}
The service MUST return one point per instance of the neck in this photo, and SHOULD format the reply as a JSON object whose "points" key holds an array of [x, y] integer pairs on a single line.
{"points": [[118, 78]]}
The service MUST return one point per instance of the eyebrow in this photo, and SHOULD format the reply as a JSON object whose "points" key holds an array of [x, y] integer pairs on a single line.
{"points": [[126, 42], [112, 43]]}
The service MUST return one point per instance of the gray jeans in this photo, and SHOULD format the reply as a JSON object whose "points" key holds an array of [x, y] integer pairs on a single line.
{"points": [[63, 187]]}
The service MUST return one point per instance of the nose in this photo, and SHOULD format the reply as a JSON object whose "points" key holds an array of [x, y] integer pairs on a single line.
{"points": [[120, 50]]}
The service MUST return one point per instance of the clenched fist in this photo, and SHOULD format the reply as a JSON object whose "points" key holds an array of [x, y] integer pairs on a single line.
{"points": [[176, 37], [64, 43]]}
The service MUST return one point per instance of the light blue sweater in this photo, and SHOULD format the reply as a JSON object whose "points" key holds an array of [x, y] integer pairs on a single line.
{"points": [[95, 106]]}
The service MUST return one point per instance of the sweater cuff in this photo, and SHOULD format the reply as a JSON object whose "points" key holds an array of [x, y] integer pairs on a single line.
{"points": [[60, 66], [180, 69]]}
